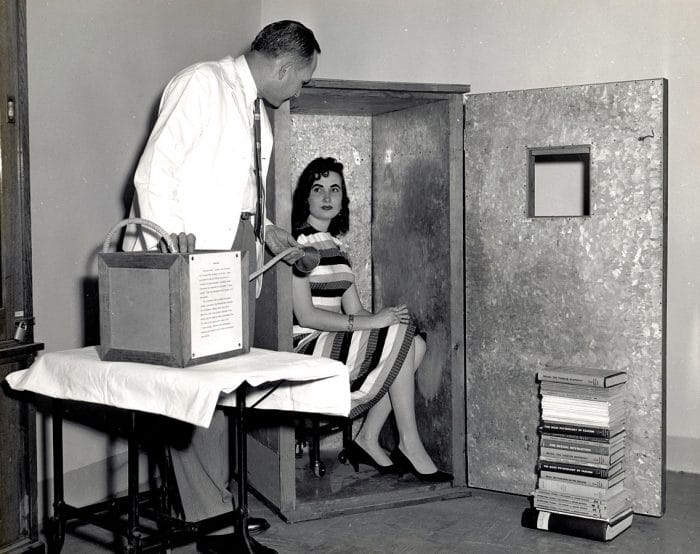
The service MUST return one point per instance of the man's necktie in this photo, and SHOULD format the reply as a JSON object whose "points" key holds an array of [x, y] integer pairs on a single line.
{"points": [[260, 204]]}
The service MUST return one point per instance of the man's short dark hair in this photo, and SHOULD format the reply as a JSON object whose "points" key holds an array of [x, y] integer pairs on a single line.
{"points": [[289, 38]]}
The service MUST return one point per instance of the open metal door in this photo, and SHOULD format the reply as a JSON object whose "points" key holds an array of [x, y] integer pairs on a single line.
{"points": [[586, 289]]}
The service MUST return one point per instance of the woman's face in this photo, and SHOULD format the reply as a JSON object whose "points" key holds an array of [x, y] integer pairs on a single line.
{"points": [[326, 197]]}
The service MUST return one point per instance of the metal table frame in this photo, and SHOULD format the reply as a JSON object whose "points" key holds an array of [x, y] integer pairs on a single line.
{"points": [[165, 531]]}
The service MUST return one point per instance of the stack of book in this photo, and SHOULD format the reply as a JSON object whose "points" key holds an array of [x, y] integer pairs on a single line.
{"points": [[581, 485]]}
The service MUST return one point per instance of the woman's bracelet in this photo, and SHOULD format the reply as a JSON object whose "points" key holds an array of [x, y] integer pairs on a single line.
{"points": [[351, 323]]}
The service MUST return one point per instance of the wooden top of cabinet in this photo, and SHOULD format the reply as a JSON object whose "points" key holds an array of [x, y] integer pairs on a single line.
{"points": [[340, 97]]}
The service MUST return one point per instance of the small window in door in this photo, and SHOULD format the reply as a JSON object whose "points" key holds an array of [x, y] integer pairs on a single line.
{"points": [[559, 181]]}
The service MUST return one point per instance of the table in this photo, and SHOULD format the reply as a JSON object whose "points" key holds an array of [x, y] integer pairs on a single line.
{"points": [[294, 382]]}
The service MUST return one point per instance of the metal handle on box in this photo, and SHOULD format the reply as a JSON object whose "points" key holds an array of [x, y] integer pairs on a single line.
{"points": [[140, 221]]}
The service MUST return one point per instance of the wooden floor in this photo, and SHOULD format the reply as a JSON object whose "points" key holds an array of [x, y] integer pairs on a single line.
{"points": [[482, 523]]}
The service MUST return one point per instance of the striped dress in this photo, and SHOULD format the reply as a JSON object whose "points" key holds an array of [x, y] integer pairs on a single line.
{"points": [[374, 357]]}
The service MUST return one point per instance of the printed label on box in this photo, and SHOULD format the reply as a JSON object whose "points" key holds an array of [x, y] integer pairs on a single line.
{"points": [[215, 303]]}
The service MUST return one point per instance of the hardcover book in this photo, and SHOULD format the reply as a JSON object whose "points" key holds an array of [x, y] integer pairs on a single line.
{"points": [[615, 393], [581, 431], [580, 458], [576, 469], [588, 376], [596, 482], [576, 489], [586, 445], [590, 528], [585, 420], [581, 405], [580, 506]]}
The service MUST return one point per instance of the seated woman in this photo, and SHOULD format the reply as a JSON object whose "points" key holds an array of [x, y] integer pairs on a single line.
{"points": [[381, 350]]}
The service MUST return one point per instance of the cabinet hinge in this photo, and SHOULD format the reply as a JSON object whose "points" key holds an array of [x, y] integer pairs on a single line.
{"points": [[10, 109]]}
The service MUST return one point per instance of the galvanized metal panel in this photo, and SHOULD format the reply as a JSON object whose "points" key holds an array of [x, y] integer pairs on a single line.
{"points": [[576, 291]]}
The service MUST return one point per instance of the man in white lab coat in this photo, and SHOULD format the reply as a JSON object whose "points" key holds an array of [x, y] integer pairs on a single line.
{"points": [[197, 180]]}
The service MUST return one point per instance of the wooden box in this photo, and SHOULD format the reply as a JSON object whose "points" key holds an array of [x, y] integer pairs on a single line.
{"points": [[176, 310]]}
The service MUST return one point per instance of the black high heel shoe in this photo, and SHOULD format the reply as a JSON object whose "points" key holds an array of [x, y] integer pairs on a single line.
{"points": [[357, 455], [404, 465]]}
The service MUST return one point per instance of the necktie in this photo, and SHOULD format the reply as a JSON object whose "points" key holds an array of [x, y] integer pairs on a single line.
{"points": [[260, 204]]}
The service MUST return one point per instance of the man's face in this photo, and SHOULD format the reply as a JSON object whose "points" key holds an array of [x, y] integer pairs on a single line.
{"points": [[290, 81]]}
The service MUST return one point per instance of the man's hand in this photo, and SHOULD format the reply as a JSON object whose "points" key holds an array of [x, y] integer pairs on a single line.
{"points": [[278, 240], [184, 242]]}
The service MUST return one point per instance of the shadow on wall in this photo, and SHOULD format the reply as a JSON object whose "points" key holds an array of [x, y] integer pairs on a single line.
{"points": [[89, 284], [91, 311], [105, 478]]}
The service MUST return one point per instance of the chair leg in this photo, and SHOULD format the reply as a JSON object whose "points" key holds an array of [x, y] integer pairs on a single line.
{"points": [[346, 427], [347, 433], [314, 440], [317, 466]]}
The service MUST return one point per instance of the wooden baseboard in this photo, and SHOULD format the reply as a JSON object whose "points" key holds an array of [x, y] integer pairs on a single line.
{"points": [[322, 509], [24, 546]]}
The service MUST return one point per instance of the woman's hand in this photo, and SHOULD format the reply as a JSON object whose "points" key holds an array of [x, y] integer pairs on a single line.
{"points": [[392, 316]]}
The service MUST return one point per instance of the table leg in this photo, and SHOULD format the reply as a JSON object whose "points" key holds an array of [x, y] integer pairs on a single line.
{"points": [[239, 540], [57, 523], [133, 519]]}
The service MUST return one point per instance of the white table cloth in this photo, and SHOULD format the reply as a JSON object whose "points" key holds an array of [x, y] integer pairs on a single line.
{"points": [[309, 384]]}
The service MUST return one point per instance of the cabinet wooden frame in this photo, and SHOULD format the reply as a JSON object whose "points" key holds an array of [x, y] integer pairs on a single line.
{"points": [[275, 452], [18, 479]]}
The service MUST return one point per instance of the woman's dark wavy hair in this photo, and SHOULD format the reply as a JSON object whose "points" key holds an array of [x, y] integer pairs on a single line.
{"points": [[317, 168]]}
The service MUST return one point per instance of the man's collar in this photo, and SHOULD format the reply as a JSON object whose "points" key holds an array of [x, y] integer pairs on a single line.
{"points": [[245, 77]]}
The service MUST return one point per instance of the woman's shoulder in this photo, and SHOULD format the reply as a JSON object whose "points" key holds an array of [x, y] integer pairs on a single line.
{"points": [[306, 234], [303, 230]]}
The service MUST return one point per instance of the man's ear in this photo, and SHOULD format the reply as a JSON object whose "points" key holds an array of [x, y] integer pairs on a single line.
{"points": [[284, 68]]}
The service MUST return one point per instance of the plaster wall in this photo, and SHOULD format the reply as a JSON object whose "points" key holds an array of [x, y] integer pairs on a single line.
{"points": [[510, 45]]}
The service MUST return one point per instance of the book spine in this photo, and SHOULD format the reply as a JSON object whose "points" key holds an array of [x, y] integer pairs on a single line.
{"points": [[615, 438], [533, 518], [572, 469], [554, 454], [581, 511], [600, 394], [570, 429], [595, 482], [571, 378], [583, 447], [612, 390], [554, 496], [580, 420], [575, 489]]}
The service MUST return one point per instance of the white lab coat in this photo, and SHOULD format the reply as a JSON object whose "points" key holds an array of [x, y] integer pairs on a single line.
{"points": [[196, 173]]}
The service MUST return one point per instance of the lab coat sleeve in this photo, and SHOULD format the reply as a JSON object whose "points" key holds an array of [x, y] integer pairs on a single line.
{"points": [[161, 170]]}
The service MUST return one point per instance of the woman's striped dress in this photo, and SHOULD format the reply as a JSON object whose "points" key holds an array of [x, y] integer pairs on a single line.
{"points": [[374, 357]]}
